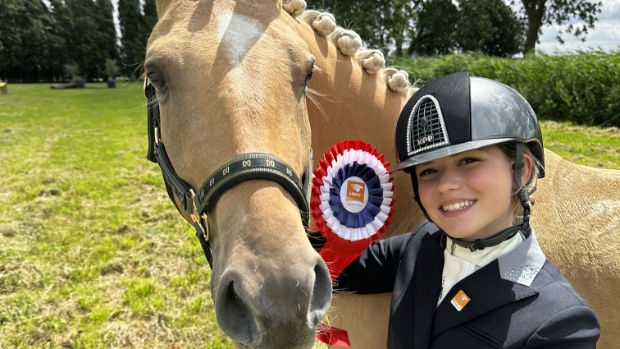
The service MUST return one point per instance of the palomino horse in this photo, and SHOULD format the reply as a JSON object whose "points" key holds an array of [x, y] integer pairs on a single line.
{"points": [[227, 81], [577, 211]]}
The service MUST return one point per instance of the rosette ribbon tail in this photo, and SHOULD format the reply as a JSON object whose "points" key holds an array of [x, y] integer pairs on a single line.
{"points": [[337, 261], [333, 336]]}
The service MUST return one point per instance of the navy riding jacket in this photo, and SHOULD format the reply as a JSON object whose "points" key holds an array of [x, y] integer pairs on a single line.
{"points": [[519, 300]]}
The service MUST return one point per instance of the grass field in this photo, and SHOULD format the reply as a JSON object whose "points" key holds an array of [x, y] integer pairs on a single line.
{"points": [[92, 253]]}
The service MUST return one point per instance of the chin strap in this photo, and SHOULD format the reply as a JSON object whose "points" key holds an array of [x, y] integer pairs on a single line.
{"points": [[493, 240]]}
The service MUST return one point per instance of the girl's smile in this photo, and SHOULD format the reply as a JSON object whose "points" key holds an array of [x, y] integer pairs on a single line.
{"points": [[469, 195]]}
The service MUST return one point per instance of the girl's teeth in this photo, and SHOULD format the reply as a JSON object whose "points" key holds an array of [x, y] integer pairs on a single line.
{"points": [[457, 206]]}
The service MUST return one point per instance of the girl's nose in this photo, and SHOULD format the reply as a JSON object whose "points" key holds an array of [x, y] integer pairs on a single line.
{"points": [[449, 180]]}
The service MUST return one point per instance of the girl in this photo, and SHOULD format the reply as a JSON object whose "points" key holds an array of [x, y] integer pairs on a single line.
{"points": [[474, 276]]}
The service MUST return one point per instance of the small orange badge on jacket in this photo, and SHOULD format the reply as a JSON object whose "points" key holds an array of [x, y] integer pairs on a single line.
{"points": [[460, 300]]}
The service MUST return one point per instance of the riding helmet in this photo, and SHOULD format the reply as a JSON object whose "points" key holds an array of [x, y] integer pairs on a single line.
{"points": [[459, 112]]}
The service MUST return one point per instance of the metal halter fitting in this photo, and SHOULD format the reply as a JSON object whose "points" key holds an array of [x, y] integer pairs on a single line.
{"points": [[242, 168]]}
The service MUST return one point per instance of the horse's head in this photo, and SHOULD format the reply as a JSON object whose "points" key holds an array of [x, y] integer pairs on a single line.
{"points": [[230, 79]]}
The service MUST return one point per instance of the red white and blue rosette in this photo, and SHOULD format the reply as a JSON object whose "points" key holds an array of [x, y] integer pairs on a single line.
{"points": [[351, 201]]}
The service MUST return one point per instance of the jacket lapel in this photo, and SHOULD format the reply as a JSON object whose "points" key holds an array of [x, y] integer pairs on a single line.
{"points": [[486, 290], [426, 286]]}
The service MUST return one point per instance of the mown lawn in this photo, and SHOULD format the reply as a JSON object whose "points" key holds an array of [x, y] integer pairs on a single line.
{"points": [[92, 253]]}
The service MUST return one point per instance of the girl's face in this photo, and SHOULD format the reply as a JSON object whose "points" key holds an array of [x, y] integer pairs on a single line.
{"points": [[469, 195]]}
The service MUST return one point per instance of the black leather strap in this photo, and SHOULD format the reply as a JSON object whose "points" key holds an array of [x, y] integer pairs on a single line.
{"points": [[152, 119], [493, 240], [242, 168], [251, 166]]}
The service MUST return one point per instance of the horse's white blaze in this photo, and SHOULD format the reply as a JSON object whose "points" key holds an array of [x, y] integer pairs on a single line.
{"points": [[238, 33]]}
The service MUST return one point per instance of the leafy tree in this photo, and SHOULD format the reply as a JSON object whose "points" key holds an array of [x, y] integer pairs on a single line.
{"points": [[111, 69], [150, 17], [490, 27], [105, 20], [435, 28], [382, 23], [85, 38], [27, 37], [547, 12], [129, 17], [61, 25], [136, 27]]}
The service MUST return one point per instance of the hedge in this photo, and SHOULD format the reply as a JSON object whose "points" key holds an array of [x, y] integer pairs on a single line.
{"points": [[583, 87]]}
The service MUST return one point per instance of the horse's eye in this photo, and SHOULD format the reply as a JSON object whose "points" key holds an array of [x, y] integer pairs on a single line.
{"points": [[156, 79], [309, 75]]}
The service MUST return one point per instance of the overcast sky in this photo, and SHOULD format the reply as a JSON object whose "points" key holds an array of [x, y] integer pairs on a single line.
{"points": [[605, 35]]}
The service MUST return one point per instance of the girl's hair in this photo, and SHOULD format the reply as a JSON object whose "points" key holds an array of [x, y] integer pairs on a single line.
{"points": [[510, 149]]}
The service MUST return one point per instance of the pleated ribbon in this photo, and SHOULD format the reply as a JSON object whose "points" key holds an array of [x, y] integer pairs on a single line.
{"points": [[351, 204]]}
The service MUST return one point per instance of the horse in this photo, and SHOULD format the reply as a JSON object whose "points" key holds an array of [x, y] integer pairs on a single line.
{"points": [[227, 97], [577, 210], [231, 79]]}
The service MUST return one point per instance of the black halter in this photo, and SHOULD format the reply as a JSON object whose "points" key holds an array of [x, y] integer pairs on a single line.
{"points": [[242, 168]]}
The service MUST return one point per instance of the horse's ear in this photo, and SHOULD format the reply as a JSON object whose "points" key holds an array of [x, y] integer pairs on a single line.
{"points": [[162, 6]]}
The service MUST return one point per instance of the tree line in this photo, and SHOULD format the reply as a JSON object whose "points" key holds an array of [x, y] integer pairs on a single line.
{"points": [[439, 27], [38, 40]]}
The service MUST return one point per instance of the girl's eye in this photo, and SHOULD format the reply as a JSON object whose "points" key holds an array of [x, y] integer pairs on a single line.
{"points": [[468, 161], [426, 172]]}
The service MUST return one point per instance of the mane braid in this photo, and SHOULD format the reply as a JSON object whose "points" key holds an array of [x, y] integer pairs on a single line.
{"points": [[348, 43]]}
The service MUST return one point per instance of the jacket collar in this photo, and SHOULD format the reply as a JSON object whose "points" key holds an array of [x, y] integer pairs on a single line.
{"points": [[517, 269], [522, 264]]}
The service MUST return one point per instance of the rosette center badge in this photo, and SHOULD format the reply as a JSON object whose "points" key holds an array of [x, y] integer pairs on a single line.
{"points": [[355, 197]]}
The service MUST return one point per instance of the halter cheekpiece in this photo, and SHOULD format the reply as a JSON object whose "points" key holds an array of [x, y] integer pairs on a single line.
{"points": [[241, 168]]}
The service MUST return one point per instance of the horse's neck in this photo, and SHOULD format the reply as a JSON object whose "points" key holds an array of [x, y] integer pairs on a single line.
{"points": [[352, 104]]}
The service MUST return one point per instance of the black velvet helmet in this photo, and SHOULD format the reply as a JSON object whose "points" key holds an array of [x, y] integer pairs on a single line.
{"points": [[459, 112]]}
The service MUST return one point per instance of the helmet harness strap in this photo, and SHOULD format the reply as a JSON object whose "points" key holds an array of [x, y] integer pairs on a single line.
{"points": [[524, 195]]}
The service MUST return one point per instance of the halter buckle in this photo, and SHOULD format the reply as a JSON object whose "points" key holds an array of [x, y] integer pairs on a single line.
{"points": [[200, 221]]}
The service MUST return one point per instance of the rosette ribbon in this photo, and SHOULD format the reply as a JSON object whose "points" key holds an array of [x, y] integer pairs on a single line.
{"points": [[351, 205], [351, 201]]}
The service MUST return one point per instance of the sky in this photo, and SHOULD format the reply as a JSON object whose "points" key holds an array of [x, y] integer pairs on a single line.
{"points": [[605, 35]]}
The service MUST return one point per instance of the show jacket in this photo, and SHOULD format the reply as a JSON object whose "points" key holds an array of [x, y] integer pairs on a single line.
{"points": [[519, 300]]}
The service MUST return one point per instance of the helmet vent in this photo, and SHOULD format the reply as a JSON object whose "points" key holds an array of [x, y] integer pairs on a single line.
{"points": [[427, 129]]}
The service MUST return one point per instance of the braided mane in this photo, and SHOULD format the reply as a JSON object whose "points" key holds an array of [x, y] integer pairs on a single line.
{"points": [[349, 43]]}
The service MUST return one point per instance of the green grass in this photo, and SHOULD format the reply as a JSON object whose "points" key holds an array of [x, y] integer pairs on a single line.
{"points": [[591, 146], [92, 253]]}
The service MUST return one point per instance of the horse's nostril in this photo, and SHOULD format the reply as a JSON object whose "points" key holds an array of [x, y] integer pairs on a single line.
{"points": [[321, 294], [239, 322]]}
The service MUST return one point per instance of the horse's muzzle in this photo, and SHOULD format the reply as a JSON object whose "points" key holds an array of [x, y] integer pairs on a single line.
{"points": [[273, 308]]}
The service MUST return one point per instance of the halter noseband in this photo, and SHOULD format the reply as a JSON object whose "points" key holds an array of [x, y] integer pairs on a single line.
{"points": [[242, 168]]}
